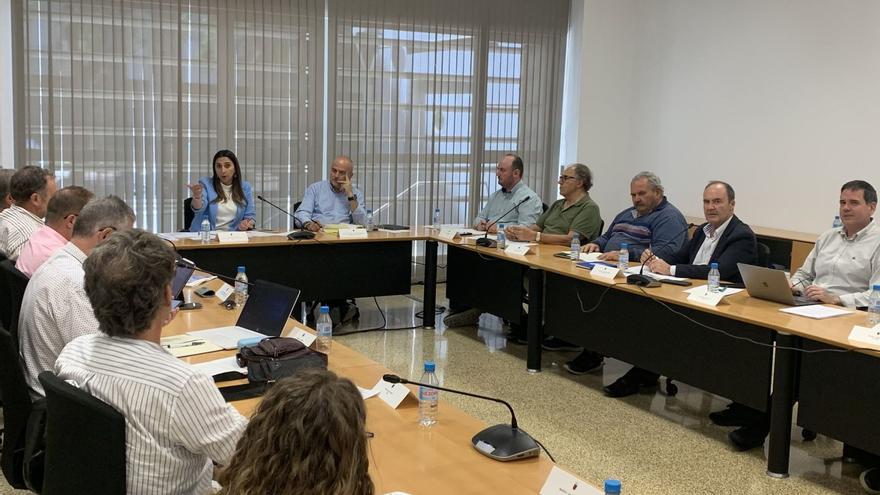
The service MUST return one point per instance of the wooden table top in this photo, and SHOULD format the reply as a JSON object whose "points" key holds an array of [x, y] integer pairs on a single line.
{"points": [[403, 455]]}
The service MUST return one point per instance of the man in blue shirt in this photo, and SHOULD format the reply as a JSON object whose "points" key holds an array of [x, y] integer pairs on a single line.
{"points": [[335, 200], [513, 190]]}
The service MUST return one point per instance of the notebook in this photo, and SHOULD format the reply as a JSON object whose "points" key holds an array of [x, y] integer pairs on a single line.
{"points": [[264, 315]]}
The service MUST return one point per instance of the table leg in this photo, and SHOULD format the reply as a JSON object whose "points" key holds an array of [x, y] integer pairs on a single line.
{"points": [[535, 330], [781, 405], [430, 293]]}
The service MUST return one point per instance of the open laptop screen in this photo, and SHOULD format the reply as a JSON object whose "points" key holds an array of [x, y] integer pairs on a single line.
{"points": [[267, 308]]}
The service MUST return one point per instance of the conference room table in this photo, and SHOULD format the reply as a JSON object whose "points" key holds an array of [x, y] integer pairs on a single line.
{"points": [[404, 456], [655, 328]]}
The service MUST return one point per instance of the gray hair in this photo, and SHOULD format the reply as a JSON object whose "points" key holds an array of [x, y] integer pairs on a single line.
{"points": [[652, 179], [583, 174], [102, 213], [126, 277], [5, 175]]}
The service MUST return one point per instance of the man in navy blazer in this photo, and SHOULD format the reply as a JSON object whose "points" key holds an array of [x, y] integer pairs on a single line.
{"points": [[723, 239]]}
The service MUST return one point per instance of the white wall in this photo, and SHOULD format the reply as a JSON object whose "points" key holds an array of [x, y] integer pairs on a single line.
{"points": [[781, 99]]}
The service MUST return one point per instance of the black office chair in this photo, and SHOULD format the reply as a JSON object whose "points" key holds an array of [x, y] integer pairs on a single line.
{"points": [[16, 283], [85, 441], [16, 411], [763, 257], [544, 207], [188, 214]]}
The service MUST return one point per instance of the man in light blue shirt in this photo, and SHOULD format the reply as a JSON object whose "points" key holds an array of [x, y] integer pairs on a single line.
{"points": [[509, 172], [333, 201]]}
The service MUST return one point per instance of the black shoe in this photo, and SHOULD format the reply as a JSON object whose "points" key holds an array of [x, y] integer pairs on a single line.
{"points": [[553, 344], [585, 363], [870, 480], [736, 414], [748, 437], [628, 385]]}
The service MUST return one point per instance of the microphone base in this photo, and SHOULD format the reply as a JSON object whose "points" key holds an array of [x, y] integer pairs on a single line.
{"points": [[642, 280], [505, 443], [300, 234], [486, 242]]}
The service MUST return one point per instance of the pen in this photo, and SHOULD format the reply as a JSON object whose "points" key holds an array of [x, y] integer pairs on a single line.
{"points": [[184, 344]]}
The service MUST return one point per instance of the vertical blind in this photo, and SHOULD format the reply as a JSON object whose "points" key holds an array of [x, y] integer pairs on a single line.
{"points": [[134, 97]]}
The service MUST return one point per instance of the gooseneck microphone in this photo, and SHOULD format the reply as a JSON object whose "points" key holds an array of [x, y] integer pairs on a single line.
{"points": [[302, 234], [185, 263], [643, 280], [485, 241], [500, 442]]}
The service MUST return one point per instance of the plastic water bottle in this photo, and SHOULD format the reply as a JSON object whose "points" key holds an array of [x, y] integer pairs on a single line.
{"points": [[576, 247], [623, 256], [304, 313], [369, 225], [241, 287], [501, 237], [874, 306], [205, 231], [437, 217], [714, 278], [612, 487], [428, 397], [837, 223], [325, 330]]}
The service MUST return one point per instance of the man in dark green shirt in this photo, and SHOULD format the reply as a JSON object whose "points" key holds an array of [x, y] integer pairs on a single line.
{"points": [[575, 214]]}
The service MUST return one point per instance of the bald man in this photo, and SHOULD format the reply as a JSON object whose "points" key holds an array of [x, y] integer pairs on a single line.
{"points": [[335, 200]]}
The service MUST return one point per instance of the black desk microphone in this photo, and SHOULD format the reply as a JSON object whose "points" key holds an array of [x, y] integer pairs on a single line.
{"points": [[643, 280], [485, 241], [302, 234]]}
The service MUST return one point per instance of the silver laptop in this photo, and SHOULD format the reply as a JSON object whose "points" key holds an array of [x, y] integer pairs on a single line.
{"points": [[770, 284]]}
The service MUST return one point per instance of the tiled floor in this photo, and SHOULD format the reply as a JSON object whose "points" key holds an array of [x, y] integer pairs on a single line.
{"points": [[655, 444]]}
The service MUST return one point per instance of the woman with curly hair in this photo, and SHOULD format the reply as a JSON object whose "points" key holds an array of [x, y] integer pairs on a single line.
{"points": [[307, 437]]}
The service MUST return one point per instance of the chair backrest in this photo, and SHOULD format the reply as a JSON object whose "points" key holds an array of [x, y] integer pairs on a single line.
{"points": [[188, 214], [85, 441], [16, 411], [763, 255], [16, 283]]}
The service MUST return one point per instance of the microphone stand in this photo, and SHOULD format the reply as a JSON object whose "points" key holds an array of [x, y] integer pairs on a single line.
{"points": [[500, 442], [302, 234], [485, 241], [643, 280]]}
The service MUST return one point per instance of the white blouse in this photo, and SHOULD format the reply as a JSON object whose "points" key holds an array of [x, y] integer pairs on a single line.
{"points": [[226, 211]]}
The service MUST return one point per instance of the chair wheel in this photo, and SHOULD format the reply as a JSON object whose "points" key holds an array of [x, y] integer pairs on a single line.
{"points": [[808, 435]]}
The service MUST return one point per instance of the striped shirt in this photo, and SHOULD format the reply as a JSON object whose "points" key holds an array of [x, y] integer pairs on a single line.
{"points": [[176, 422], [16, 226], [55, 310]]}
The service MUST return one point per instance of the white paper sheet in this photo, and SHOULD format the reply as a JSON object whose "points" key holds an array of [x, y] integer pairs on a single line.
{"points": [[816, 311], [217, 366], [727, 291], [226, 337]]}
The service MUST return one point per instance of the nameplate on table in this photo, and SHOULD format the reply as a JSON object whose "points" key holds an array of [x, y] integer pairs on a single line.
{"points": [[224, 292], [865, 335], [232, 236], [301, 335], [447, 234], [520, 249], [706, 297], [352, 233], [560, 482], [392, 394], [604, 271]]}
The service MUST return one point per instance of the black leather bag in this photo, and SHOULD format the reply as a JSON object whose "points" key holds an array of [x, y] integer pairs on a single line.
{"points": [[277, 357]]}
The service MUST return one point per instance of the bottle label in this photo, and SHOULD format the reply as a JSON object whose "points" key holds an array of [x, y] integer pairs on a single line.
{"points": [[426, 393]]}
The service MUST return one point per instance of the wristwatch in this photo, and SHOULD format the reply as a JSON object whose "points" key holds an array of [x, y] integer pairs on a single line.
{"points": [[352, 198], [538, 237]]}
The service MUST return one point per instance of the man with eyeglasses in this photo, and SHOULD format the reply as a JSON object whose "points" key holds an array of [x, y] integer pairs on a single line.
{"points": [[55, 308], [653, 222], [61, 215]]}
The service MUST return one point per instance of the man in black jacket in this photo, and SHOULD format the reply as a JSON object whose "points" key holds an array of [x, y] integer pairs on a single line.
{"points": [[723, 239]]}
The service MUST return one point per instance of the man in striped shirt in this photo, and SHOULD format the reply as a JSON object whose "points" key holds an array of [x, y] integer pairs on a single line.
{"points": [[176, 420], [31, 189], [55, 309], [5, 197]]}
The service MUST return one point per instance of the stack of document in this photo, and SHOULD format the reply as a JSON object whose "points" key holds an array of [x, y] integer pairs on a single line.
{"points": [[187, 345]]}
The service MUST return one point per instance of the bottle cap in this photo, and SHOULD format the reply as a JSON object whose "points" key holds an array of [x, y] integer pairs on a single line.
{"points": [[713, 266], [623, 245], [369, 210], [612, 486], [241, 269], [325, 310], [429, 366], [876, 286]]}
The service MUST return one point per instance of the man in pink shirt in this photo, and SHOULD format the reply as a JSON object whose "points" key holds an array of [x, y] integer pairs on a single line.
{"points": [[61, 215]]}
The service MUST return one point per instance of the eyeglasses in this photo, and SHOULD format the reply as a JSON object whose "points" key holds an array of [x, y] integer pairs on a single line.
{"points": [[563, 178]]}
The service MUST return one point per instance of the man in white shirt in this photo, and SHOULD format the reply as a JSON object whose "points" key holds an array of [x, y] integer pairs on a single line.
{"points": [[55, 309], [177, 423], [31, 189]]}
